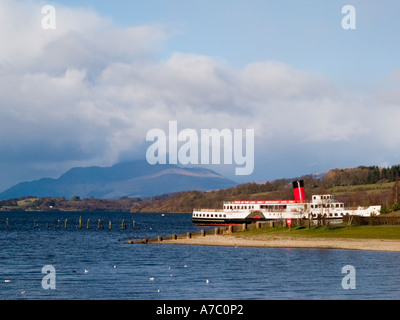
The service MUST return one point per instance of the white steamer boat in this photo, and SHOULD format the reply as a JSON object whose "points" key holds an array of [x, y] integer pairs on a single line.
{"points": [[238, 212]]}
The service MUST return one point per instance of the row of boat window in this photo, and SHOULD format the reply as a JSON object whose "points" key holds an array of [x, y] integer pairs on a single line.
{"points": [[331, 215], [332, 205], [203, 215], [239, 207]]}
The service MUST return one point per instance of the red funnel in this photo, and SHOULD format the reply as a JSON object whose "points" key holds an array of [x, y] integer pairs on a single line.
{"points": [[298, 190]]}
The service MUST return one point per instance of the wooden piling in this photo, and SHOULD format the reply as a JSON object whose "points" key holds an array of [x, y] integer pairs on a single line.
{"points": [[109, 225], [98, 224], [88, 224], [80, 222], [65, 223], [188, 235], [123, 224], [7, 223]]}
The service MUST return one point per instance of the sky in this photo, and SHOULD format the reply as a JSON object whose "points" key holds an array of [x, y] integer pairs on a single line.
{"points": [[88, 91]]}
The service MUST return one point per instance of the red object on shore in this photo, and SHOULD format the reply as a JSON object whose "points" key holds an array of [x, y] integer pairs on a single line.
{"points": [[289, 222]]}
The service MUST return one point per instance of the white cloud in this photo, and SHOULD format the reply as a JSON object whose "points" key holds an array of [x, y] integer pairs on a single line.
{"points": [[89, 91]]}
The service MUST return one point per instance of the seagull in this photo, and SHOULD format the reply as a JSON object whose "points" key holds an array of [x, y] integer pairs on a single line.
{"points": [[7, 281], [115, 267], [207, 281], [151, 279], [23, 292], [86, 271], [185, 266]]}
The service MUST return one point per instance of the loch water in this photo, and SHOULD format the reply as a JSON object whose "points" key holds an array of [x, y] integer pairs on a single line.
{"points": [[100, 264]]}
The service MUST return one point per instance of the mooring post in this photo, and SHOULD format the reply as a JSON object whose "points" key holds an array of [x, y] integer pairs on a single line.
{"points": [[123, 224], [65, 223], [7, 222], [88, 224], [98, 224], [109, 225], [80, 222], [188, 235]]}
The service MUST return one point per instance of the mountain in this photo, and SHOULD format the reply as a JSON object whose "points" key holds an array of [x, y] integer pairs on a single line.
{"points": [[128, 179]]}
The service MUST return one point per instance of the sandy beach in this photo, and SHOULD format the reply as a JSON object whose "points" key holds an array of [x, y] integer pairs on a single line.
{"points": [[287, 242]]}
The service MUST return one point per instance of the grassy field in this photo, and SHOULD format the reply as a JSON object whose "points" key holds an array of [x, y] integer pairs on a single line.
{"points": [[340, 231], [368, 188]]}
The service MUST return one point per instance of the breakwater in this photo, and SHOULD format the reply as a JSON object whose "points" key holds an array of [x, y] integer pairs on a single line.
{"points": [[224, 230]]}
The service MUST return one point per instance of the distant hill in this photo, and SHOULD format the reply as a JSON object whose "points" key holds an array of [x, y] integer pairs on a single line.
{"points": [[129, 179]]}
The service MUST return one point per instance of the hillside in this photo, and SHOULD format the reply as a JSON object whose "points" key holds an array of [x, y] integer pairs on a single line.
{"points": [[130, 179], [362, 186]]}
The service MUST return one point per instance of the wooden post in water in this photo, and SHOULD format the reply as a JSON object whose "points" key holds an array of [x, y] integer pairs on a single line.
{"points": [[109, 225], [87, 224], [133, 225], [123, 224], [58, 224], [7, 223], [98, 224], [65, 223], [80, 222]]}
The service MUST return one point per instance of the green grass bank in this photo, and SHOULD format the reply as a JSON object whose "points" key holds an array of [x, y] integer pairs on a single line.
{"points": [[330, 232]]}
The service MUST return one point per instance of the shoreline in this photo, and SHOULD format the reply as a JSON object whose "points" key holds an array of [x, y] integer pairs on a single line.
{"points": [[288, 242]]}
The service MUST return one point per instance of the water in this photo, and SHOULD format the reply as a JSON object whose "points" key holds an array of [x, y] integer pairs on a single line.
{"points": [[117, 270]]}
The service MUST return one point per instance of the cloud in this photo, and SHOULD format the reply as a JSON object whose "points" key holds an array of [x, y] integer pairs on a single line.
{"points": [[89, 91]]}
